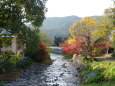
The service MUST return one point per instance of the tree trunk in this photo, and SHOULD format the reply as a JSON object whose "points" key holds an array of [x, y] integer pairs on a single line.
{"points": [[0, 50]]}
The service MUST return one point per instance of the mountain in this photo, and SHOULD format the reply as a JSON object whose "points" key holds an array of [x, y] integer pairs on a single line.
{"points": [[58, 26]]}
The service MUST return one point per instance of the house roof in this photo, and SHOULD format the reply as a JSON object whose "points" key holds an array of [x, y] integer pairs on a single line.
{"points": [[5, 33]]}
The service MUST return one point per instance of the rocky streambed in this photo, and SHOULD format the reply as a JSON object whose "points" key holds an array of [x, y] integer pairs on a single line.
{"points": [[60, 73]]}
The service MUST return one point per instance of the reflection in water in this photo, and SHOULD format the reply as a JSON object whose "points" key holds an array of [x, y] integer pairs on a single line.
{"points": [[54, 47], [60, 73]]}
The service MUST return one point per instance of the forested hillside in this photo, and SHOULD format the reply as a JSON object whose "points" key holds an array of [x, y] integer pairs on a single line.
{"points": [[59, 26]]}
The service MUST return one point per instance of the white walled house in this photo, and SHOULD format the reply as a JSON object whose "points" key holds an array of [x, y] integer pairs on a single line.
{"points": [[15, 46]]}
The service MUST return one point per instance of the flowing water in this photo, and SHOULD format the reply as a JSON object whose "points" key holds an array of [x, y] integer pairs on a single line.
{"points": [[60, 73]]}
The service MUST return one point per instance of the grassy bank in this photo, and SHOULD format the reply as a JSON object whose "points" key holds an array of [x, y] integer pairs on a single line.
{"points": [[101, 84], [100, 73]]}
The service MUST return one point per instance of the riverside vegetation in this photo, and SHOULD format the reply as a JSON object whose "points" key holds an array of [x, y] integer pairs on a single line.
{"points": [[91, 38], [15, 15]]}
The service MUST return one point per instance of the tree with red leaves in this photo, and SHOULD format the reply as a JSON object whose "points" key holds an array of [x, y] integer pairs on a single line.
{"points": [[80, 46], [82, 39], [42, 52], [74, 47]]}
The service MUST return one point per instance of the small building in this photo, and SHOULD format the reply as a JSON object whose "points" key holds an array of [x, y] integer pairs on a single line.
{"points": [[15, 46]]}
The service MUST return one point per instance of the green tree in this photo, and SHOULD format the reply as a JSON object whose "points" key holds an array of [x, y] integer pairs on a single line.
{"points": [[15, 13], [44, 38], [58, 40], [5, 42], [110, 14], [32, 41], [113, 40]]}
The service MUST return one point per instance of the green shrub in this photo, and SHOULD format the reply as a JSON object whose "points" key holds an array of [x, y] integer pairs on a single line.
{"points": [[96, 78], [49, 50], [8, 61], [68, 56], [113, 55], [97, 51], [39, 54], [24, 63]]}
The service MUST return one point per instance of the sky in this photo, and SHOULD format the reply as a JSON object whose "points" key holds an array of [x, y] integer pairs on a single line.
{"points": [[81, 8]]}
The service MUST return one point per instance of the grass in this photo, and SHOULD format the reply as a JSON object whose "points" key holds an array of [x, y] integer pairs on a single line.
{"points": [[10, 76], [68, 56], [101, 84], [107, 57], [105, 72]]}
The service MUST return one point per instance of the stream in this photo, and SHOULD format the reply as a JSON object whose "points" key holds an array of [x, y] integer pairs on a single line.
{"points": [[60, 73]]}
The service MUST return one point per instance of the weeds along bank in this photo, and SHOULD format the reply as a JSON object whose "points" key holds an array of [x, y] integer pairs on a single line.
{"points": [[95, 73], [98, 73], [11, 65]]}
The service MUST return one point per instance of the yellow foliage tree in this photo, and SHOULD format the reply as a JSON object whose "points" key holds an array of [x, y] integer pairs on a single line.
{"points": [[93, 31], [85, 27], [104, 29]]}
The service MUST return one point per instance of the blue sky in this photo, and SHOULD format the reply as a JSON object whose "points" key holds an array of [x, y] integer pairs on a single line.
{"points": [[81, 8]]}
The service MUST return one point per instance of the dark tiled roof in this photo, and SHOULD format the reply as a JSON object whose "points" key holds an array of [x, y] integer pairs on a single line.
{"points": [[5, 33]]}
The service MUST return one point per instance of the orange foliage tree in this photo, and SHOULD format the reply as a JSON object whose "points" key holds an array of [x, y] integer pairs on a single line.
{"points": [[82, 39]]}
